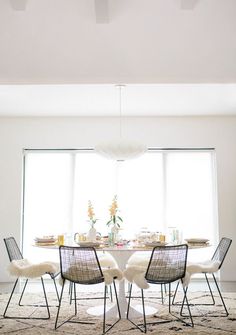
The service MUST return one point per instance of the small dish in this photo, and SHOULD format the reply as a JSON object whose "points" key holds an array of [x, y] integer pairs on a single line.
{"points": [[196, 240], [155, 244], [88, 244], [45, 239]]}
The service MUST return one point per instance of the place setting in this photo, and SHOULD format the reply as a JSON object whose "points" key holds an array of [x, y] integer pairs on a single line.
{"points": [[197, 242], [49, 240]]}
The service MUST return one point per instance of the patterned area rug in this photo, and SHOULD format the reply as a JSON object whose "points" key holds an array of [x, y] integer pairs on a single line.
{"points": [[206, 323]]}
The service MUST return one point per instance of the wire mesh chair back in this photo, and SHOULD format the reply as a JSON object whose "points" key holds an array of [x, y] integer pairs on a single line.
{"points": [[13, 250], [221, 250], [167, 264], [80, 265]]}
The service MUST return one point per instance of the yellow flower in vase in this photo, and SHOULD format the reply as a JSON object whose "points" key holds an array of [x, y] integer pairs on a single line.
{"points": [[91, 214], [114, 218], [92, 220]]}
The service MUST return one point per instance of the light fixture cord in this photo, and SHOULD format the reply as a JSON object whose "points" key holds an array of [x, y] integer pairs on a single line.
{"points": [[120, 91]]}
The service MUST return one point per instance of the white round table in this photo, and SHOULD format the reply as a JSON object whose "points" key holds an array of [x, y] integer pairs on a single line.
{"points": [[122, 255]]}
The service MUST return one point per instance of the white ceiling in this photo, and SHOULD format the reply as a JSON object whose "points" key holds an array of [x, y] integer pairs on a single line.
{"points": [[103, 100], [151, 45]]}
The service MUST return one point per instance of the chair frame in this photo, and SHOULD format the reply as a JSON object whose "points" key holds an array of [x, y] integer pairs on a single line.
{"points": [[72, 289], [14, 253], [143, 326], [225, 244]]}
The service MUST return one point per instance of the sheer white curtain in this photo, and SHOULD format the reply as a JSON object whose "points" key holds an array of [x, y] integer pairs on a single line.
{"points": [[47, 197], [161, 189], [190, 193]]}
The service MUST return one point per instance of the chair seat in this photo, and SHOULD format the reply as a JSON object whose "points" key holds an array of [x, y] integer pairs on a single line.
{"points": [[24, 268], [166, 265], [80, 265], [109, 274], [137, 266], [107, 261], [136, 274], [209, 266]]}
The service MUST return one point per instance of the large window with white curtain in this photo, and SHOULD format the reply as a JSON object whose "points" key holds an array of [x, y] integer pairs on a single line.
{"points": [[161, 189]]}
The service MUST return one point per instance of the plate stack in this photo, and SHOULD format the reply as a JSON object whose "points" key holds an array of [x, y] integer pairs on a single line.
{"points": [[88, 244], [197, 242], [45, 240], [155, 244]]}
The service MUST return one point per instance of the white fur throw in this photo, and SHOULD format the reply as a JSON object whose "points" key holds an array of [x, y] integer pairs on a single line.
{"points": [[135, 274], [137, 266], [139, 259], [204, 267], [136, 269], [109, 268], [110, 274], [107, 261], [23, 268]]}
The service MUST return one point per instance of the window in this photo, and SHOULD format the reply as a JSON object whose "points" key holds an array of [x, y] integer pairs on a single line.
{"points": [[161, 189]]}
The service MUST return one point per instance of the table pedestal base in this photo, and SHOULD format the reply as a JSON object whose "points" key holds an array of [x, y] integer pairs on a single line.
{"points": [[134, 311]]}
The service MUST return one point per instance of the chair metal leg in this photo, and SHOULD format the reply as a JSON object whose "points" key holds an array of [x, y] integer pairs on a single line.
{"points": [[59, 307], [165, 288], [117, 301], [75, 299], [73, 288], [129, 298], [9, 300], [71, 291], [212, 297], [144, 315], [56, 289], [191, 324], [162, 296], [118, 308], [111, 297], [196, 304], [104, 310], [24, 317], [169, 300], [143, 327], [188, 306], [221, 297], [45, 297], [210, 290], [128, 307], [174, 296], [22, 293]]}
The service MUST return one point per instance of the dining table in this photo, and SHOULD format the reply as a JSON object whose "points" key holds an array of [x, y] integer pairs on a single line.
{"points": [[121, 254]]}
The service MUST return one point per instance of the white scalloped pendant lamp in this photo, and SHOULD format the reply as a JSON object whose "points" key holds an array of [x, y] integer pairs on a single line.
{"points": [[122, 148]]}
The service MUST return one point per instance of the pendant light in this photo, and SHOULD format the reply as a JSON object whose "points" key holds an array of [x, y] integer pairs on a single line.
{"points": [[122, 148]]}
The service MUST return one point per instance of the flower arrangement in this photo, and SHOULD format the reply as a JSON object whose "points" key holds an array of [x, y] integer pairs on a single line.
{"points": [[91, 214], [114, 218]]}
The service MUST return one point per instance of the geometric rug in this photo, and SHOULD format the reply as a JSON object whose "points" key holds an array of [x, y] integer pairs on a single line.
{"points": [[203, 324]]}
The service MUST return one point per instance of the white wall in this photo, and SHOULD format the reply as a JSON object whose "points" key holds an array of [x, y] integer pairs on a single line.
{"points": [[19, 133]]}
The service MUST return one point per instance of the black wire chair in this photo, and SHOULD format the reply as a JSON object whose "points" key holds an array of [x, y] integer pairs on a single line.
{"points": [[167, 264], [14, 253], [80, 265], [218, 256]]}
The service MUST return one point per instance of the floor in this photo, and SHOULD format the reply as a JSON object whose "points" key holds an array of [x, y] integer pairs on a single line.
{"points": [[35, 286]]}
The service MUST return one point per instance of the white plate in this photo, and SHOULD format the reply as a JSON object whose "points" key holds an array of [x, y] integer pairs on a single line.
{"points": [[155, 244], [45, 239], [88, 244], [196, 240]]}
